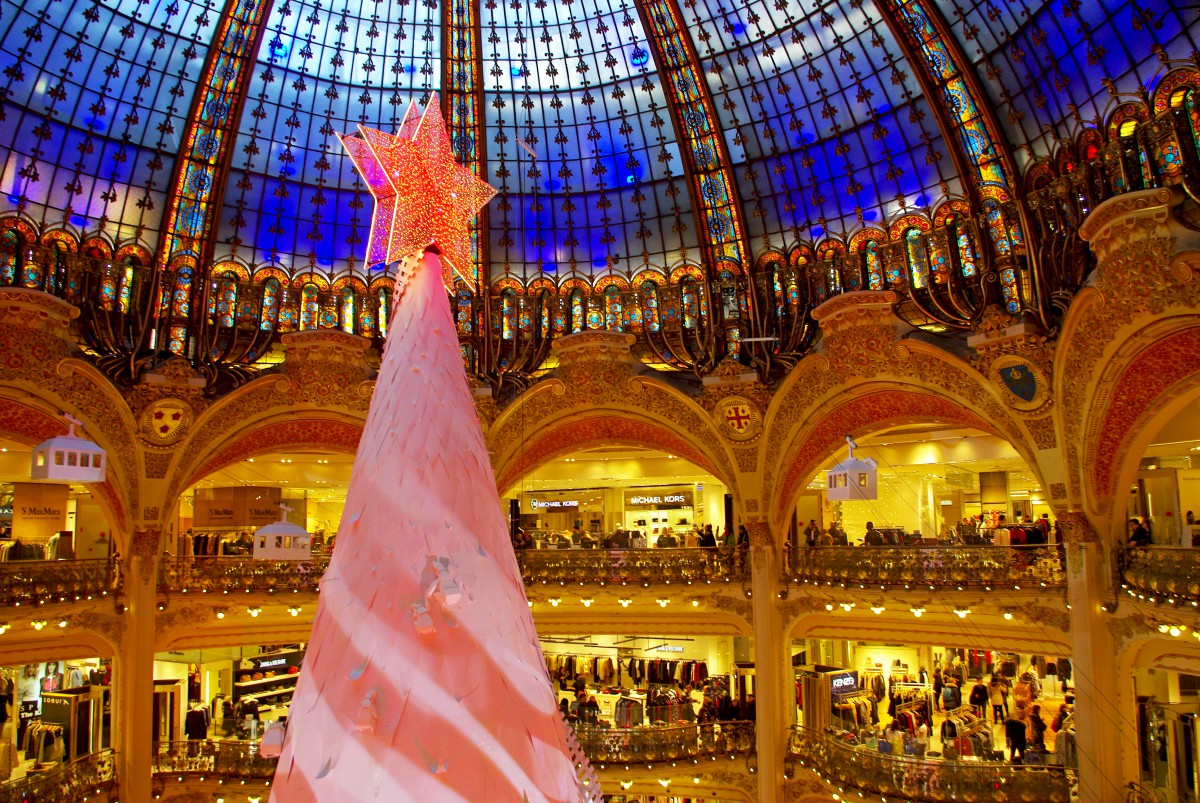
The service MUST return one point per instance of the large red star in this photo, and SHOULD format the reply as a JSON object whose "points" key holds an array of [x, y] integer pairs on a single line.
{"points": [[423, 197]]}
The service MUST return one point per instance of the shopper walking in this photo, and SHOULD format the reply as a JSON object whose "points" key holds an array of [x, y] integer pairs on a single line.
{"points": [[1014, 734], [996, 695]]}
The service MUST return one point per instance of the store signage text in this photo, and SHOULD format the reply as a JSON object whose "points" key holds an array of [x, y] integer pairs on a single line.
{"points": [[272, 662], [658, 498], [843, 682], [669, 648], [554, 504]]}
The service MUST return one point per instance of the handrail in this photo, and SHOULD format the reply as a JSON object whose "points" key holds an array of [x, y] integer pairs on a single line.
{"points": [[655, 744], [221, 759], [934, 565], [1162, 574], [240, 574], [65, 783], [632, 566], [916, 779], [41, 582]]}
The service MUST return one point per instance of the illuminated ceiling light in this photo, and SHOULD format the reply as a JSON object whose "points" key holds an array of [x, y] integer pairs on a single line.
{"points": [[961, 613], [4, 628], [254, 611], [554, 601], [664, 602], [62, 623], [695, 603], [877, 609], [625, 602], [587, 603], [1008, 615], [847, 606], [626, 784], [529, 602], [917, 612], [829, 606], [664, 782], [220, 614], [295, 611], [38, 624], [1175, 631]]}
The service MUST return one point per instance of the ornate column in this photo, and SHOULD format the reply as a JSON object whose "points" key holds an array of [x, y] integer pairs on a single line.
{"points": [[772, 686], [1102, 721], [134, 667]]}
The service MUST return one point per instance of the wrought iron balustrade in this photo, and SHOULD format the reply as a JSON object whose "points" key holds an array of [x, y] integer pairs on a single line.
{"points": [[44, 582], [1163, 574], [631, 566], [924, 566], [652, 745], [924, 780], [212, 759], [240, 575], [70, 782]]}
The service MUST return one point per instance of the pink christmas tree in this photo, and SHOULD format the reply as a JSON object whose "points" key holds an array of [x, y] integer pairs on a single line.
{"points": [[423, 680]]}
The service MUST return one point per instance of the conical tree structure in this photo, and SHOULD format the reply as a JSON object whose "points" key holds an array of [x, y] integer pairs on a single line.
{"points": [[423, 680]]}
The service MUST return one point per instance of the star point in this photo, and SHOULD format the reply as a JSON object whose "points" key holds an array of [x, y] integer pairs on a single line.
{"points": [[423, 197]]}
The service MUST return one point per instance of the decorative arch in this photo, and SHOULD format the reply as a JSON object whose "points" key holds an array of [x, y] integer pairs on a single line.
{"points": [[1132, 111], [310, 278], [1039, 175], [802, 254], [228, 266], [900, 225], [352, 282], [605, 430], [507, 283], [22, 227], [134, 251], [830, 249], [30, 426], [571, 285], [97, 246], [950, 209], [541, 285], [686, 271], [811, 444], [335, 435], [1153, 384], [605, 282], [652, 275], [278, 274], [63, 236], [1181, 78]]}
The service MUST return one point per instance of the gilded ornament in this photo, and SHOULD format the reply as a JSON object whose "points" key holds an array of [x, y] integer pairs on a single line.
{"points": [[164, 422], [1020, 381], [738, 418]]}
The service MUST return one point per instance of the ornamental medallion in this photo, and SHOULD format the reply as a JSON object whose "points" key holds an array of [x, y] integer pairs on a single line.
{"points": [[1021, 383], [738, 418], [163, 422]]}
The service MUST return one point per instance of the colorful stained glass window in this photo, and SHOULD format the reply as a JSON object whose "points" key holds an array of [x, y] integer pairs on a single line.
{"points": [[777, 285], [463, 311], [385, 310], [31, 274], [508, 314], [58, 268], [9, 249], [227, 293], [348, 316], [108, 289], [524, 316], [939, 258], [691, 306], [366, 317], [177, 339], [578, 321], [966, 249], [996, 227], [310, 306], [1008, 284], [650, 306], [918, 264], [544, 308], [1192, 106], [270, 305], [874, 266], [182, 297], [613, 319]]}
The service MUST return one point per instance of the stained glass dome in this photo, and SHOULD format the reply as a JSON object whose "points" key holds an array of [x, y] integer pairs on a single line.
{"points": [[621, 134]]}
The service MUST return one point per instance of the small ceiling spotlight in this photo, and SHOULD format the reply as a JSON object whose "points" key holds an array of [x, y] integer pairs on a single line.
{"points": [[625, 602], [962, 613]]}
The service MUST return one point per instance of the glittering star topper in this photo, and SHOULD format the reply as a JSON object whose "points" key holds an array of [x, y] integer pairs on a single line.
{"points": [[422, 196]]}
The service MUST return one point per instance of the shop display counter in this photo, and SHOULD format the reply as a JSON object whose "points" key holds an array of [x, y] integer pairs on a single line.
{"points": [[937, 565]]}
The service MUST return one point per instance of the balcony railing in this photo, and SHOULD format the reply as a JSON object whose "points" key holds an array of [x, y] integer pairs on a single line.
{"points": [[240, 575], [43, 582], [65, 783], [985, 567], [912, 779], [1162, 574], [629, 746], [631, 566], [213, 759]]}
